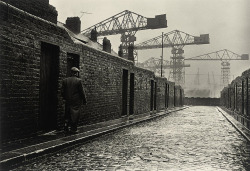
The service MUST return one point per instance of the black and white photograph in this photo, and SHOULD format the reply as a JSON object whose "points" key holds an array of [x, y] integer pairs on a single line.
{"points": [[124, 85]]}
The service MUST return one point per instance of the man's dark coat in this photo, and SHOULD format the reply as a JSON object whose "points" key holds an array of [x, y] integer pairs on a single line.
{"points": [[73, 93]]}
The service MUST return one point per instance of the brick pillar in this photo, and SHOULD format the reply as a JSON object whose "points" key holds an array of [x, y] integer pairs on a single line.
{"points": [[74, 24]]}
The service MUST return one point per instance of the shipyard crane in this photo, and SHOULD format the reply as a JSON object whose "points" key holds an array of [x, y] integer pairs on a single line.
{"points": [[155, 65], [197, 78], [214, 86], [176, 40], [126, 23], [225, 56]]}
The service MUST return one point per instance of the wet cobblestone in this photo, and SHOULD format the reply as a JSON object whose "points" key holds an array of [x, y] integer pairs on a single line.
{"points": [[198, 138]]}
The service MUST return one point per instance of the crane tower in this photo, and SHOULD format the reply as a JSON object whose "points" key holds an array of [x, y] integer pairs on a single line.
{"points": [[176, 40], [154, 64], [225, 56], [127, 23]]}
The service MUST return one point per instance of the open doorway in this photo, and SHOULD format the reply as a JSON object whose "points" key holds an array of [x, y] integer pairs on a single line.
{"points": [[174, 97], [73, 60], [131, 94], [124, 92], [152, 95], [166, 95], [49, 72], [155, 96]]}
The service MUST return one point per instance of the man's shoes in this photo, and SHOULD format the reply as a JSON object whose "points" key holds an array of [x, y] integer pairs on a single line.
{"points": [[66, 130]]}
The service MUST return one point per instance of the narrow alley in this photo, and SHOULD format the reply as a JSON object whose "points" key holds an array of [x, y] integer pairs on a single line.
{"points": [[197, 138]]}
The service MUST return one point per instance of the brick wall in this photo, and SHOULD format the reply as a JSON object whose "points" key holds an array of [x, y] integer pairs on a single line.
{"points": [[142, 90], [235, 98], [161, 90], [40, 8], [21, 41], [102, 77], [246, 81], [198, 101], [177, 95], [21, 37], [171, 93]]}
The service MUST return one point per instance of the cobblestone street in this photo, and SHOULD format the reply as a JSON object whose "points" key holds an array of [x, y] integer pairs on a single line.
{"points": [[197, 138]]}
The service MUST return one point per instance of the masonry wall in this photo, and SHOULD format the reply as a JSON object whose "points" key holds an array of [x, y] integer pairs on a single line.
{"points": [[142, 90], [21, 38], [235, 98], [161, 93], [21, 41], [40, 8], [202, 101], [171, 94], [177, 95], [102, 77]]}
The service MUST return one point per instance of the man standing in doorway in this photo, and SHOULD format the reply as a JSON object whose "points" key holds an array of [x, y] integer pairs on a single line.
{"points": [[74, 95]]}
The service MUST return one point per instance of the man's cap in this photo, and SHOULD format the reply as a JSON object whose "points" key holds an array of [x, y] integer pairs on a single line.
{"points": [[74, 69]]}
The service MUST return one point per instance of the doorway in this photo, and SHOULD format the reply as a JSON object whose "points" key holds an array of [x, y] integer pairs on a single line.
{"points": [[124, 92], [49, 72], [152, 96], [166, 95], [131, 94], [181, 103], [243, 100], [155, 95], [247, 96], [72, 61], [174, 97]]}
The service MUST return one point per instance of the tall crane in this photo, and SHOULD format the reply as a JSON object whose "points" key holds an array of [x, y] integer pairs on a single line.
{"points": [[225, 56], [176, 40], [126, 23], [154, 64], [197, 78], [214, 87]]}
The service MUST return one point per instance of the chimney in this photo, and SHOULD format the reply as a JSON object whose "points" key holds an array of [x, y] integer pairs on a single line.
{"points": [[74, 24], [106, 45], [120, 52], [39, 8], [109, 46], [131, 53], [94, 35]]}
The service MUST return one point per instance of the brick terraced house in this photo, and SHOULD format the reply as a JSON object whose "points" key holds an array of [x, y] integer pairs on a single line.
{"points": [[37, 52]]}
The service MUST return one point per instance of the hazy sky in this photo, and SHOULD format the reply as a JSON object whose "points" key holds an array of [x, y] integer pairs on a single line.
{"points": [[226, 21]]}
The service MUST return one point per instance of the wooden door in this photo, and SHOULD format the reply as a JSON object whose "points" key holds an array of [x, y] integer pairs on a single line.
{"points": [[49, 71]]}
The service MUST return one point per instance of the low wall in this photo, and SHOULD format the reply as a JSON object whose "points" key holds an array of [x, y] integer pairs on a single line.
{"points": [[196, 101], [235, 98]]}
